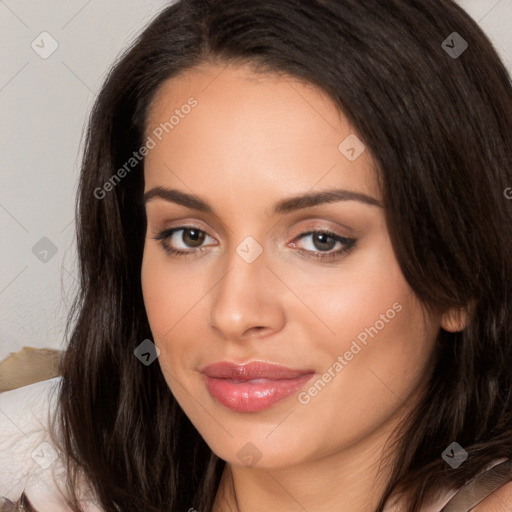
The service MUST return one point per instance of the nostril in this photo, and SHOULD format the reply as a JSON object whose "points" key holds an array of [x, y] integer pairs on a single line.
{"points": [[254, 331]]}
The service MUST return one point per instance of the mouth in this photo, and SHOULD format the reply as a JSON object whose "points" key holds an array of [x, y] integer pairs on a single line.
{"points": [[253, 386]]}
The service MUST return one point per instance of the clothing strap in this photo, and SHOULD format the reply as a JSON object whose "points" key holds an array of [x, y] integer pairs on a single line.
{"points": [[22, 505], [475, 491]]}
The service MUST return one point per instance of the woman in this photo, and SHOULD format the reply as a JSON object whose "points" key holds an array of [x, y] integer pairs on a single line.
{"points": [[295, 241]]}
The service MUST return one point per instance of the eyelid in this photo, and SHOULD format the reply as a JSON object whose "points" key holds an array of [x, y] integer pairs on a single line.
{"points": [[164, 217], [160, 227], [321, 225], [347, 246], [168, 232]]}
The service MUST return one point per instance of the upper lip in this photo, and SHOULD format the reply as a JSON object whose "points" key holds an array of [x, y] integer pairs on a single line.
{"points": [[251, 370]]}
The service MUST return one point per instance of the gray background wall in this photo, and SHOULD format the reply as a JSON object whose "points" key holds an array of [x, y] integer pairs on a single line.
{"points": [[44, 103]]}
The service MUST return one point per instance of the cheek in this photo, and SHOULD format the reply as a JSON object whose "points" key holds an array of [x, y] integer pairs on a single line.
{"points": [[169, 291], [371, 367], [377, 327], [172, 298], [154, 282], [354, 296]]}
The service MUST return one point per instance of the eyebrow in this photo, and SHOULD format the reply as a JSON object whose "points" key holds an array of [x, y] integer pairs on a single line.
{"points": [[283, 206]]}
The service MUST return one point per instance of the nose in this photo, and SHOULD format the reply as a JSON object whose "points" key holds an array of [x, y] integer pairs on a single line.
{"points": [[246, 301]]}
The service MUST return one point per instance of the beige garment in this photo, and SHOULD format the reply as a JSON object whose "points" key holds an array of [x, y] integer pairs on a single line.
{"points": [[29, 461], [28, 366], [478, 488]]}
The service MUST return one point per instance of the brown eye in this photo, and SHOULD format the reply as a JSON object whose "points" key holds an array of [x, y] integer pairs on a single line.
{"points": [[324, 245], [323, 241], [193, 237], [184, 240]]}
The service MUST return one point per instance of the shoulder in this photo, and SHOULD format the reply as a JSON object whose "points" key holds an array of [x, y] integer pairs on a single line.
{"points": [[498, 501], [23, 428], [31, 468]]}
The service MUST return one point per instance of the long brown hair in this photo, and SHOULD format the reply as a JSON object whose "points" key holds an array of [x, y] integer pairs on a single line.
{"points": [[438, 126]]}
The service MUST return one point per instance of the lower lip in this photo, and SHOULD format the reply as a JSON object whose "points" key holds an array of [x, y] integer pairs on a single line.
{"points": [[250, 396]]}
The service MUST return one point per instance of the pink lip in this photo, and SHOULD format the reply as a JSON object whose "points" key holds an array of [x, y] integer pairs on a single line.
{"points": [[238, 386]]}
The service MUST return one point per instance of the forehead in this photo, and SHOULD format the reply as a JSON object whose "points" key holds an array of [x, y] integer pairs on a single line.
{"points": [[251, 131]]}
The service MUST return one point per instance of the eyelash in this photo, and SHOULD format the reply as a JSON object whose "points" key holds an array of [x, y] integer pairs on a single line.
{"points": [[348, 243]]}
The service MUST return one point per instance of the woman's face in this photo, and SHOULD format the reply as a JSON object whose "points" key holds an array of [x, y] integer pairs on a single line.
{"points": [[262, 282]]}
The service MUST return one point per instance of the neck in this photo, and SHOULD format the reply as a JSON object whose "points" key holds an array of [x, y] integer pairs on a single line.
{"points": [[350, 480]]}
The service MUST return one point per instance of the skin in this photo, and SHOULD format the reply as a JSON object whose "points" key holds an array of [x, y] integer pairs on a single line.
{"points": [[251, 141]]}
